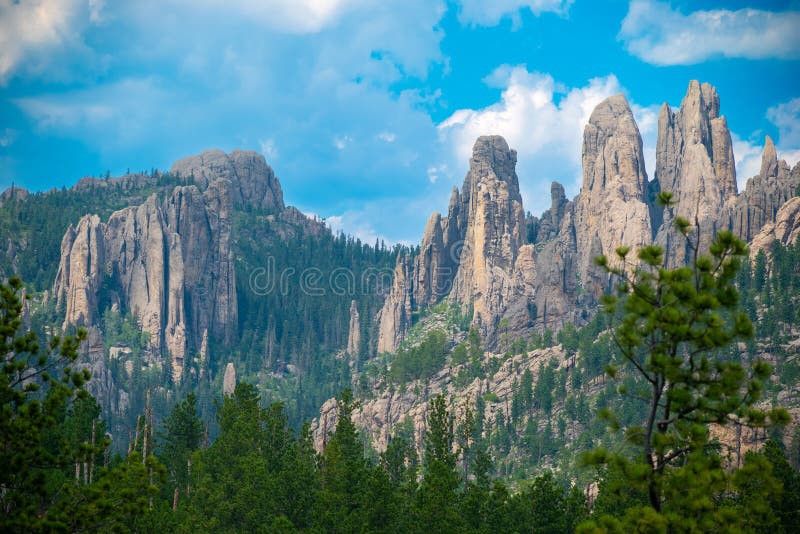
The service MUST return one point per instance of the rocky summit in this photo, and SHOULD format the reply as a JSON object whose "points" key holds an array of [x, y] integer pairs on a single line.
{"points": [[539, 272]]}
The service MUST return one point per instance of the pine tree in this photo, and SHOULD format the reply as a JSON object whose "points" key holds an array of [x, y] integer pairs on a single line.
{"points": [[437, 498], [183, 434], [50, 450], [673, 324]]}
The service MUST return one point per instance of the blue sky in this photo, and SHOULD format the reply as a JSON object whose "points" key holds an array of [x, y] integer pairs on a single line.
{"points": [[367, 109]]}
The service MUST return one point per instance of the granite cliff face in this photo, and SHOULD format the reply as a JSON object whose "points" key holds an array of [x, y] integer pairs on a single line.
{"points": [[694, 161], [468, 256], [354, 334], [764, 194], [168, 260], [612, 209], [495, 231], [537, 273], [394, 319]]}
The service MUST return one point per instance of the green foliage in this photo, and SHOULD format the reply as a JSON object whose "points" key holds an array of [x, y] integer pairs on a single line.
{"points": [[51, 439], [182, 436], [437, 498], [257, 472], [420, 361], [673, 324]]}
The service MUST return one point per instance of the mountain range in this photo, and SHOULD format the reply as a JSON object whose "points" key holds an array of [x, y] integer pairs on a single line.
{"points": [[203, 271]]}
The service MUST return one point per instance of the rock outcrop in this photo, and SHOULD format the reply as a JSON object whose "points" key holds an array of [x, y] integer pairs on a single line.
{"points": [[785, 229], [479, 257], [495, 231], [694, 161], [202, 355], [168, 261], [80, 271], [229, 380], [549, 224], [433, 273], [394, 319], [764, 194], [468, 256], [253, 183], [102, 385], [612, 209], [379, 415], [354, 334]]}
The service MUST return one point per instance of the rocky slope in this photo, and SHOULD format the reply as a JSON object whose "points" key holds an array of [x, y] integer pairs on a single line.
{"points": [[379, 416], [785, 229]]}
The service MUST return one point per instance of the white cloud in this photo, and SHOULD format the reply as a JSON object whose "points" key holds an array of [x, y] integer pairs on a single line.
{"points": [[127, 108], [269, 149], [656, 33], [786, 117], [289, 16], [7, 137], [387, 137], [538, 117], [482, 13], [43, 36], [354, 223], [96, 10], [341, 141], [747, 154], [435, 171]]}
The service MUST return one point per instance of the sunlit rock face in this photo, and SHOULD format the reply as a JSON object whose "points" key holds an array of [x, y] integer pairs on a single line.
{"points": [[612, 209], [694, 161]]}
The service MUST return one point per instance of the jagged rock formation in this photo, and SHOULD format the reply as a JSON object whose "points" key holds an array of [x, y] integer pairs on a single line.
{"points": [[549, 225], [489, 245], [470, 254], [253, 182], [80, 270], [394, 319], [169, 263], [536, 273], [485, 235], [202, 356], [694, 161], [612, 209], [169, 260], [354, 335], [546, 282], [764, 194], [229, 380], [785, 229], [432, 270], [495, 231]]}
